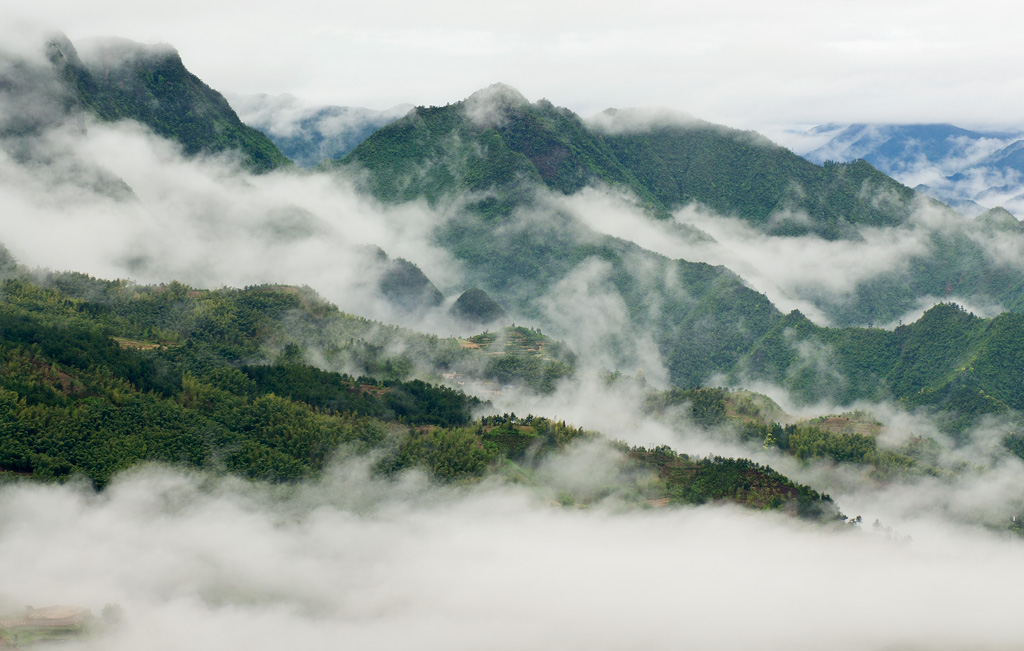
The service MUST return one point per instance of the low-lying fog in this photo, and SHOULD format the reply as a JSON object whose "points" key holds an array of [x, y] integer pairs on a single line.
{"points": [[360, 563]]}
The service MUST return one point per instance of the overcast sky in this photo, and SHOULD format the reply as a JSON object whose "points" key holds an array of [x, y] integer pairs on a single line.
{"points": [[740, 62]]}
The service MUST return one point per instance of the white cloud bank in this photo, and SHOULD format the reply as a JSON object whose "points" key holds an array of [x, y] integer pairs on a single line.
{"points": [[372, 565]]}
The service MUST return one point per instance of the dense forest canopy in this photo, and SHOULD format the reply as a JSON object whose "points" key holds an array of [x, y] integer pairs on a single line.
{"points": [[93, 386]]}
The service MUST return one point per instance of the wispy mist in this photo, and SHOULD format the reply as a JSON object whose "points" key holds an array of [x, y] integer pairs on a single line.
{"points": [[806, 273], [116, 201]]}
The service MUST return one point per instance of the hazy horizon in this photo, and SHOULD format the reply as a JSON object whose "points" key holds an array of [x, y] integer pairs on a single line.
{"points": [[741, 63]]}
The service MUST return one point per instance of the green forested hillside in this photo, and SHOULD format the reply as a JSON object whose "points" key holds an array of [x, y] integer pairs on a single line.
{"points": [[949, 360], [848, 438], [252, 325], [703, 319], [961, 262], [178, 384], [495, 141], [475, 306], [744, 174], [98, 376]]}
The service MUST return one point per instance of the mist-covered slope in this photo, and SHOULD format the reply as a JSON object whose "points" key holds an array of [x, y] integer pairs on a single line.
{"points": [[91, 129], [491, 151], [961, 259], [494, 141], [702, 319], [512, 187], [497, 139], [512, 184], [499, 166], [233, 461], [117, 79], [949, 359], [743, 173], [496, 165], [500, 163]]}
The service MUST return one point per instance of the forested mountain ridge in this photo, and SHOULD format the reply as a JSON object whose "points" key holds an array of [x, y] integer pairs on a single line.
{"points": [[949, 360], [499, 152], [720, 326], [119, 79], [495, 148], [266, 323], [961, 261], [101, 375], [743, 173], [851, 438], [501, 185], [496, 139], [495, 155], [77, 401]]}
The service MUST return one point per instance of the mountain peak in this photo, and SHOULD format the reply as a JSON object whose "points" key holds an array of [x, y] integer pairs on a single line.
{"points": [[61, 52], [104, 53], [999, 219], [50, 80], [489, 107]]}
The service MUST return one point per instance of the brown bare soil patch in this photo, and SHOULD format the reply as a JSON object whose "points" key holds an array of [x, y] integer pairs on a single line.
{"points": [[847, 425], [287, 289], [69, 384], [135, 344], [375, 391]]}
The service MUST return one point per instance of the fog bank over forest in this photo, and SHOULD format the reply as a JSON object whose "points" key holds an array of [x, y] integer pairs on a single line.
{"points": [[208, 563]]}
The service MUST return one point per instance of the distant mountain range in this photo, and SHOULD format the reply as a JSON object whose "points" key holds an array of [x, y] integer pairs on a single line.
{"points": [[311, 134], [970, 170]]}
